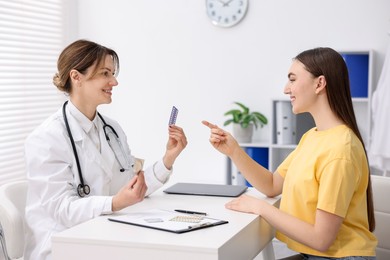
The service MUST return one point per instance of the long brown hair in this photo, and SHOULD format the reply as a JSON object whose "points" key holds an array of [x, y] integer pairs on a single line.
{"points": [[80, 55], [329, 63]]}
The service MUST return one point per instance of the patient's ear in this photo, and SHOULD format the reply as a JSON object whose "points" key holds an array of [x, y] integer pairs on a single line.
{"points": [[321, 84]]}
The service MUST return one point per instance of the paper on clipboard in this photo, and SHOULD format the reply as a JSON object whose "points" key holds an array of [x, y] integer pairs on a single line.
{"points": [[166, 220]]}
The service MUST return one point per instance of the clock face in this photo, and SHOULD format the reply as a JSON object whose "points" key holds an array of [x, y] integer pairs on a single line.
{"points": [[226, 13]]}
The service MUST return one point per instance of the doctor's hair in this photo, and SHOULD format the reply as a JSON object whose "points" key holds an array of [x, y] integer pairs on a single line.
{"points": [[80, 55], [330, 64]]}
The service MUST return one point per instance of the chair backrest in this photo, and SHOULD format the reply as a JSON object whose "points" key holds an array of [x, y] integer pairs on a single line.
{"points": [[381, 195], [12, 207]]}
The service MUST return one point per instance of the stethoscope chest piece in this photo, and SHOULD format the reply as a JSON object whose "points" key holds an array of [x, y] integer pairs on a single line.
{"points": [[83, 190]]}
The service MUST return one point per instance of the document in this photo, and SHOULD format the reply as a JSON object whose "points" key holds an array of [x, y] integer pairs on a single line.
{"points": [[166, 220]]}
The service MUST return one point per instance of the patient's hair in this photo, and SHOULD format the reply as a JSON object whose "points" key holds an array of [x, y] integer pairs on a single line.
{"points": [[330, 64], [80, 55]]}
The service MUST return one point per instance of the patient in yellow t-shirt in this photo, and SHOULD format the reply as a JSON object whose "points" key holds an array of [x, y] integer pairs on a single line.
{"points": [[326, 209]]}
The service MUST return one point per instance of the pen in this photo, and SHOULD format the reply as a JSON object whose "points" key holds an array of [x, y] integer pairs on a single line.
{"points": [[191, 212], [199, 225]]}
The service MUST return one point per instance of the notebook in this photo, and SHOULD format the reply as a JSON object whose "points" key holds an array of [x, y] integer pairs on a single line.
{"points": [[221, 190]]}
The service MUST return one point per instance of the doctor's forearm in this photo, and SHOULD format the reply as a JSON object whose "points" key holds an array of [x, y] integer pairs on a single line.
{"points": [[168, 161]]}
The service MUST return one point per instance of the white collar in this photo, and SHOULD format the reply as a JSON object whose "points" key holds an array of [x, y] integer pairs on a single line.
{"points": [[84, 121]]}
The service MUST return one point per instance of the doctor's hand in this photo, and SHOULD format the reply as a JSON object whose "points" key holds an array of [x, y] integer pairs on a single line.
{"points": [[221, 140], [176, 143], [133, 192]]}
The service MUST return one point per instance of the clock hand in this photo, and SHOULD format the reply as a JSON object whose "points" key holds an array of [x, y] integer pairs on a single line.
{"points": [[222, 2], [227, 3]]}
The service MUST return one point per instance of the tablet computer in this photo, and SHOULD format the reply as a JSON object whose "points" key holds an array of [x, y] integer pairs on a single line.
{"points": [[203, 189]]}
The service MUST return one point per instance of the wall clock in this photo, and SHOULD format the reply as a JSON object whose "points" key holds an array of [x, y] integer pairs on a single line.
{"points": [[226, 13]]}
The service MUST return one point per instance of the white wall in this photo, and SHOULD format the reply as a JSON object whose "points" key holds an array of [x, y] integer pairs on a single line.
{"points": [[172, 55]]}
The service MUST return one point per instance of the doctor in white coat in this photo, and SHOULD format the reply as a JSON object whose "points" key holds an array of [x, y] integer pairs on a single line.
{"points": [[74, 174]]}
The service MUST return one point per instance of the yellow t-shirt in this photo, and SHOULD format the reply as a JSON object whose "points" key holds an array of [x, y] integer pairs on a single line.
{"points": [[329, 171]]}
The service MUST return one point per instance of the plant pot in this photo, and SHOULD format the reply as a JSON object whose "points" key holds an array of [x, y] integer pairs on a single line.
{"points": [[243, 135]]}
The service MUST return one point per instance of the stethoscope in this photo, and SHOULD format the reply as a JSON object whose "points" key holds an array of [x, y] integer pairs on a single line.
{"points": [[113, 141]]}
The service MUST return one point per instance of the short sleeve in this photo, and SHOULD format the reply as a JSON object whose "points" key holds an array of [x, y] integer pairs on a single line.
{"points": [[283, 167], [337, 184]]}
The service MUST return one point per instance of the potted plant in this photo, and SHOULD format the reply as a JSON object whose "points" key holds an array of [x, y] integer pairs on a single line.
{"points": [[243, 122]]}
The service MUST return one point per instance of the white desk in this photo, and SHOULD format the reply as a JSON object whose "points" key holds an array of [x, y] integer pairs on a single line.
{"points": [[244, 237]]}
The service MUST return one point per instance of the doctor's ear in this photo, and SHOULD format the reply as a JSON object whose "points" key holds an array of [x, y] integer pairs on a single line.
{"points": [[75, 76]]}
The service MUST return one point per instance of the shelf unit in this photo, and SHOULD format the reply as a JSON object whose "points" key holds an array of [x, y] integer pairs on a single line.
{"points": [[272, 153]]}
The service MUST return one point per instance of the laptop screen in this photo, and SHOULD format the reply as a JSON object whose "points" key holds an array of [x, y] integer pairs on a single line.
{"points": [[206, 189]]}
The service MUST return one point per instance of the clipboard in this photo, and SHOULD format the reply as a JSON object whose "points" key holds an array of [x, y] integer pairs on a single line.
{"points": [[169, 221]]}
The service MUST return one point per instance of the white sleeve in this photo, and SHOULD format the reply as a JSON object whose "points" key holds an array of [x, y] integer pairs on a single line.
{"points": [[156, 175]]}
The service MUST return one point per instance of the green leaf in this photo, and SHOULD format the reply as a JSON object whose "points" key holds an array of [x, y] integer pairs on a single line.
{"points": [[236, 118], [246, 119], [228, 122], [244, 108], [260, 117], [255, 123], [232, 112], [244, 124]]}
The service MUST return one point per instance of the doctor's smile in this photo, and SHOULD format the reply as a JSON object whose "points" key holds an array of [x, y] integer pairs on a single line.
{"points": [[79, 146]]}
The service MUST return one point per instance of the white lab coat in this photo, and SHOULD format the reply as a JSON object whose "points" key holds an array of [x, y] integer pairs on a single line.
{"points": [[52, 201], [379, 148]]}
